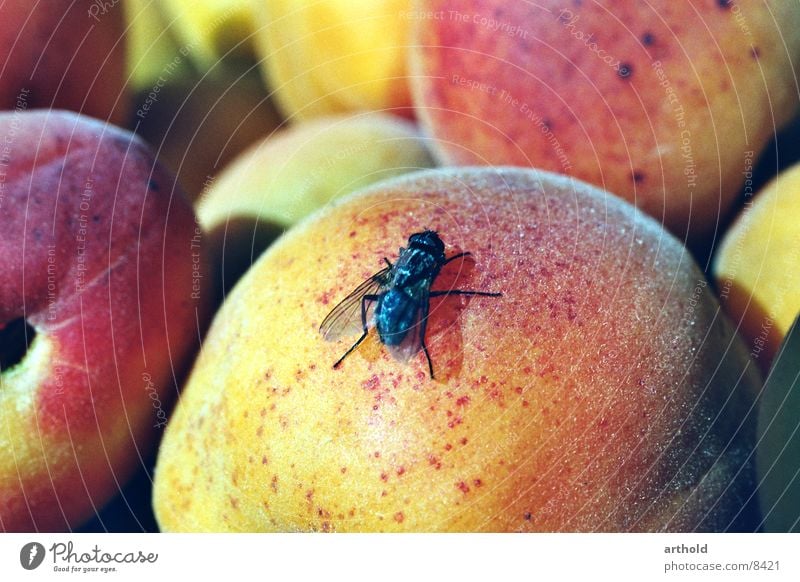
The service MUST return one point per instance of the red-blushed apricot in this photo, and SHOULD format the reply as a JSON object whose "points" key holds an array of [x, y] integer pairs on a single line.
{"points": [[101, 266], [63, 55], [660, 103], [604, 391]]}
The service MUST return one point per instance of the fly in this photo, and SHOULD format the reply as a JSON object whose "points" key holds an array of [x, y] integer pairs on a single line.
{"points": [[396, 299]]}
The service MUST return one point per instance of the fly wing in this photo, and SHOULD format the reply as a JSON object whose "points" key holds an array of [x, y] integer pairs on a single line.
{"points": [[345, 318], [412, 342]]}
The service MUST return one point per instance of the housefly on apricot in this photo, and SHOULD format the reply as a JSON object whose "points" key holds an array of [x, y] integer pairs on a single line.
{"points": [[396, 300]]}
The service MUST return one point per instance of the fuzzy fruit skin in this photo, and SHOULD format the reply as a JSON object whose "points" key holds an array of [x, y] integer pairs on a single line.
{"points": [[56, 55], [660, 105], [96, 254], [588, 397]]}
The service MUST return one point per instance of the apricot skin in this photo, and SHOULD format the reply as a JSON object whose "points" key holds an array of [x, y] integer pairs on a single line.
{"points": [[63, 55], [589, 397], [658, 103], [759, 286], [330, 57], [756, 266], [97, 256]]}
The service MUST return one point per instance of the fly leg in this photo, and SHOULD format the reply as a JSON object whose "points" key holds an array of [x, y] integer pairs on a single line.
{"points": [[423, 326], [458, 256], [427, 307], [364, 300], [463, 292]]}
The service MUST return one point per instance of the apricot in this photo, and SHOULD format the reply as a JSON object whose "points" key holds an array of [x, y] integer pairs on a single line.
{"points": [[660, 104], [759, 286], [591, 396], [102, 303], [152, 45], [212, 30], [291, 174], [63, 56], [756, 265], [332, 56]]}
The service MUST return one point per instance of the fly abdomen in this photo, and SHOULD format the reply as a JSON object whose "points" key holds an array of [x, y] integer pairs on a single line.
{"points": [[395, 314]]}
